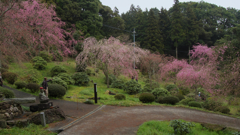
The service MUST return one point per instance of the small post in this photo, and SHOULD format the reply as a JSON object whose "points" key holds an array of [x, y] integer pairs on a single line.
{"points": [[95, 92], [43, 120]]}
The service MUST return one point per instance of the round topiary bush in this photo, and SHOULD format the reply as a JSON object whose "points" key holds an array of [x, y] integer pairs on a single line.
{"points": [[211, 104], [6, 92], [56, 56], [67, 78], [160, 92], [160, 99], [88, 71], [186, 101], [194, 104], [172, 88], [118, 84], [56, 90], [81, 68], [81, 79], [146, 97], [10, 77], [180, 96], [132, 87], [120, 97], [20, 85], [45, 55], [57, 80], [170, 100], [57, 70], [39, 63], [222, 109], [33, 87]]}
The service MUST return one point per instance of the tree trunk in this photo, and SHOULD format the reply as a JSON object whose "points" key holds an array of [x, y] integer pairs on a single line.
{"points": [[189, 53], [176, 52]]}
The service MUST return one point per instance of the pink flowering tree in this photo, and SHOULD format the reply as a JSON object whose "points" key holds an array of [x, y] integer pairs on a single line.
{"points": [[111, 56], [30, 27]]}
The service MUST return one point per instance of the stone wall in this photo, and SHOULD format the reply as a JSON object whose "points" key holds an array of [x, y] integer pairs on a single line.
{"points": [[10, 110]]}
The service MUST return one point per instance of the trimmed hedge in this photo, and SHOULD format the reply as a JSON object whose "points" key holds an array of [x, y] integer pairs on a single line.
{"points": [[118, 84], [132, 87], [194, 104], [6, 92], [57, 70], [56, 90], [57, 80], [9, 77], [20, 85], [67, 78], [180, 96], [149, 87], [222, 109], [81, 79], [160, 92], [33, 87], [146, 97], [39, 63], [211, 104], [120, 97], [170, 100]]}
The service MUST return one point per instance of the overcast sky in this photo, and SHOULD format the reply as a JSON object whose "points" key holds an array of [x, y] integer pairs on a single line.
{"points": [[124, 5]]}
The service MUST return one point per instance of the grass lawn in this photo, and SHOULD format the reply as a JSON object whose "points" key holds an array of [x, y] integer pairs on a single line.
{"points": [[164, 128]]}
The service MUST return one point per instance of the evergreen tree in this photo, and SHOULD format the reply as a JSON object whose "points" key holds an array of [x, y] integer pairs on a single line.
{"points": [[153, 40], [165, 27], [177, 32], [192, 28]]}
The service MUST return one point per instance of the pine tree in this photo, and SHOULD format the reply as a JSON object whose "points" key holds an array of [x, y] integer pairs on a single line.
{"points": [[153, 40], [177, 32]]}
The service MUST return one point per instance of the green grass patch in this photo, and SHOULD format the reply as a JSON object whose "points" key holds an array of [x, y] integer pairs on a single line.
{"points": [[32, 129], [164, 128]]}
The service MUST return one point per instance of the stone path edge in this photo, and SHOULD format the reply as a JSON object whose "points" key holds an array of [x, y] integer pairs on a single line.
{"points": [[77, 120]]}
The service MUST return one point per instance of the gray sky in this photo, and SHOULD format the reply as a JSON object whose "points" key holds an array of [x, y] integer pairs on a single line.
{"points": [[124, 5]]}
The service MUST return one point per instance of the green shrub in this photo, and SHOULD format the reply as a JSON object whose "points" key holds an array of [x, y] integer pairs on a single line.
{"points": [[57, 70], [211, 104], [120, 97], [10, 77], [88, 102], [112, 78], [56, 56], [186, 101], [191, 95], [3, 70], [160, 100], [172, 87], [118, 84], [32, 76], [33, 87], [5, 65], [146, 97], [81, 68], [56, 90], [222, 109], [184, 90], [45, 55], [81, 79], [66, 77], [194, 104], [170, 100], [132, 87], [6, 92], [88, 71], [180, 96], [160, 92], [20, 85], [39, 63], [57, 80], [96, 70], [180, 127], [150, 86]]}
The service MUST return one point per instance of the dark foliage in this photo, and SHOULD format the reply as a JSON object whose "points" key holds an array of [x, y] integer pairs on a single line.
{"points": [[120, 97], [56, 90], [194, 104], [146, 97], [81, 79], [170, 100], [33, 87], [20, 85], [6, 92], [57, 70], [9, 77], [132, 87]]}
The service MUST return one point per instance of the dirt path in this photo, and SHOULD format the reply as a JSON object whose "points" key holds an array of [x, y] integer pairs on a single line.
{"points": [[126, 120]]}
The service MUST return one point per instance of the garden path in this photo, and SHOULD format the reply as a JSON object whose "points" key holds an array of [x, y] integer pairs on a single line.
{"points": [[114, 120]]}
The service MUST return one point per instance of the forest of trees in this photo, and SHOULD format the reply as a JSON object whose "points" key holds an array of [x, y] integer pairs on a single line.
{"points": [[171, 32]]}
